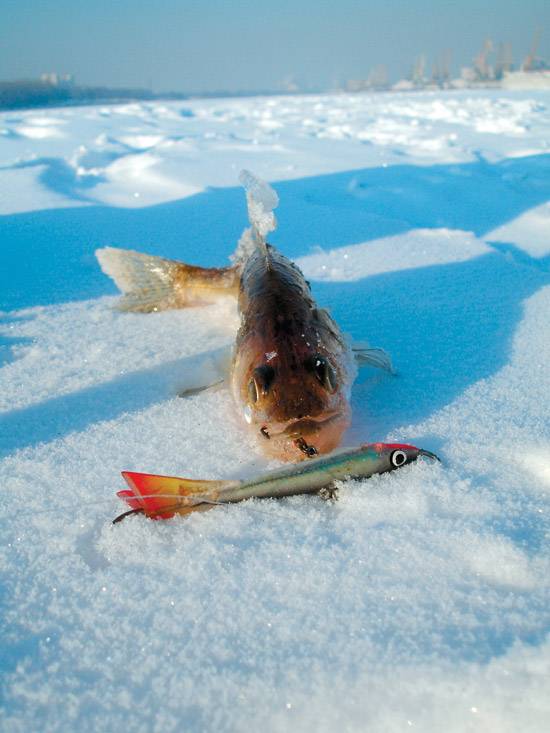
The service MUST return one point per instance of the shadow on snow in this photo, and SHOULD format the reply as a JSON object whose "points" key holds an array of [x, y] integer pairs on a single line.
{"points": [[445, 326], [48, 256], [58, 416]]}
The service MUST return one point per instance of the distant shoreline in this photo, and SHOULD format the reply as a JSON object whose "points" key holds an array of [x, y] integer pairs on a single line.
{"points": [[26, 95], [32, 94]]}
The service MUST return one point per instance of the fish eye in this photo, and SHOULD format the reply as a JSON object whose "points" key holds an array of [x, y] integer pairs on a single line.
{"points": [[398, 458], [260, 382], [252, 391], [324, 372], [263, 376]]}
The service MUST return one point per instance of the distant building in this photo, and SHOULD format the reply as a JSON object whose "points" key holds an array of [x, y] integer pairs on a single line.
{"points": [[526, 80], [377, 80], [57, 80]]}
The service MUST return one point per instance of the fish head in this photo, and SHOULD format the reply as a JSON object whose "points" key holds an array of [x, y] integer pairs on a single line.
{"points": [[389, 456], [297, 406]]}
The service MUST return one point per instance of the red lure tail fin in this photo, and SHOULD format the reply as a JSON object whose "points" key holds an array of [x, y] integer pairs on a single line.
{"points": [[160, 497]]}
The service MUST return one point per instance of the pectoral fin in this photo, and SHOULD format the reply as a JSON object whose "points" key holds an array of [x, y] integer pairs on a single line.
{"points": [[366, 356], [211, 374], [192, 391]]}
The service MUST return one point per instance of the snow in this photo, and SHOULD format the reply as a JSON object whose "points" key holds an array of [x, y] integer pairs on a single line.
{"points": [[421, 599], [417, 248], [530, 231]]}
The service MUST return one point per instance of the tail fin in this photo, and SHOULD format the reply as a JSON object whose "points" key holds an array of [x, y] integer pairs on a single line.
{"points": [[152, 283], [160, 497], [261, 200]]}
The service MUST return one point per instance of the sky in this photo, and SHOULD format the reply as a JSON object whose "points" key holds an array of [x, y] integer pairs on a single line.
{"points": [[216, 45]]}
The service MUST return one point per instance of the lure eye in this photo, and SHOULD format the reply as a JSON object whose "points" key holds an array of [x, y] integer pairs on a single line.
{"points": [[398, 458], [324, 372]]}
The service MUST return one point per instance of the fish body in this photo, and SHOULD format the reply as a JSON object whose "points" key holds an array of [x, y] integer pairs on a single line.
{"points": [[292, 369], [165, 496]]}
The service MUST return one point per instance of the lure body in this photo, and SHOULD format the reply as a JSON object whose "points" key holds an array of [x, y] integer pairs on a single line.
{"points": [[164, 496]]}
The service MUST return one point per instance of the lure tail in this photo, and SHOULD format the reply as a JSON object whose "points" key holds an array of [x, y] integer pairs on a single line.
{"points": [[161, 497]]}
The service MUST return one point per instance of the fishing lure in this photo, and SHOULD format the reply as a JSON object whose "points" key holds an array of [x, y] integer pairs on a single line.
{"points": [[161, 497]]}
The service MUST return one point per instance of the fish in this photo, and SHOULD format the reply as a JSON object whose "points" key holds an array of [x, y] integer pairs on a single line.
{"points": [[162, 497], [292, 368]]}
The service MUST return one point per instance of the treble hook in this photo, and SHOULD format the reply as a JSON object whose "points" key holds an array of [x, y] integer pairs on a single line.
{"points": [[309, 450], [122, 516]]}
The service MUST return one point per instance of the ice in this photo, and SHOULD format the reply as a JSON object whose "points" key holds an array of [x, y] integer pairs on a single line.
{"points": [[420, 600], [261, 199], [205, 144]]}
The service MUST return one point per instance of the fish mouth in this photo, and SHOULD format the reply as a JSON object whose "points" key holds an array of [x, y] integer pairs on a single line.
{"points": [[308, 426], [311, 436], [296, 439]]}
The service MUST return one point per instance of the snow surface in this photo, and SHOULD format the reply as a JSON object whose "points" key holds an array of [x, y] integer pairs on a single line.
{"points": [[421, 599]]}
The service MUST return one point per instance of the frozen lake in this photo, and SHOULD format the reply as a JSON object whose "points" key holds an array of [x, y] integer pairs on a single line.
{"points": [[421, 599]]}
